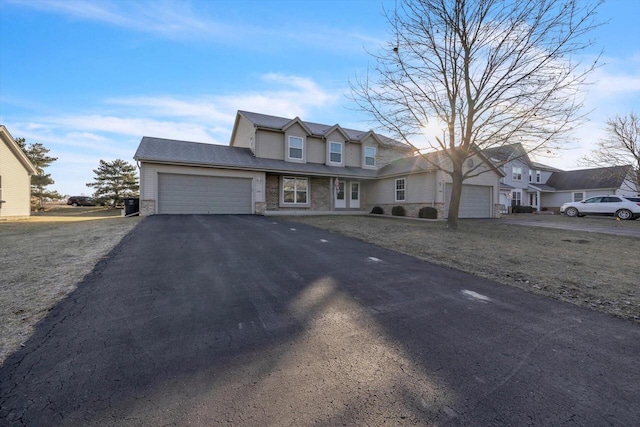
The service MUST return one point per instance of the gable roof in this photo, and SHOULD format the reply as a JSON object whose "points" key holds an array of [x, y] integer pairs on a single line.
{"points": [[505, 153], [589, 179], [159, 150], [316, 129], [6, 137]]}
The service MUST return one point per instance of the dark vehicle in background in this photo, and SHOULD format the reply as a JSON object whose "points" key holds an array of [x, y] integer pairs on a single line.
{"points": [[81, 201]]}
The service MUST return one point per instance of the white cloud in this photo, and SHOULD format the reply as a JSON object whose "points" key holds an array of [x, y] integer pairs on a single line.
{"points": [[80, 140], [177, 20]]}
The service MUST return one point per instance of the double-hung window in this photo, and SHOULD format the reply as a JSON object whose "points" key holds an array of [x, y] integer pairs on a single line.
{"points": [[516, 173], [295, 191], [335, 152], [295, 147], [370, 156], [401, 189], [578, 196]]}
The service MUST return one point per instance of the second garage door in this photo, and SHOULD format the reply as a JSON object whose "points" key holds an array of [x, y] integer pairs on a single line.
{"points": [[198, 194], [475, 202]]}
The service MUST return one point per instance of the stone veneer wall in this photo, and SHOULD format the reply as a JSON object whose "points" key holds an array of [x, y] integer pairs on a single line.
{"points": [[147, 207], [320, 195]]}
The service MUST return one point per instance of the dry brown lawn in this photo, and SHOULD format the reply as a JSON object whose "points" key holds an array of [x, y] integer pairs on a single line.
{"points": [[596, 270], [42, 260]]}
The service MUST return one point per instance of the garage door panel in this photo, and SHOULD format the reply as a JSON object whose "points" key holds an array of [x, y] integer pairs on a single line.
{"points": [[199, 194], [475, 201]]}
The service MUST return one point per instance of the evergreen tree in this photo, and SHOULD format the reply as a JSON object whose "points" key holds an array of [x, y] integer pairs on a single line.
{"points": [[38, 155], [114, 181]]}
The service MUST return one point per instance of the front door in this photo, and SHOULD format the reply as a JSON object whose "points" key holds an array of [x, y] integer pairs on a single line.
{"points": [[340, 199], [354, 200]]}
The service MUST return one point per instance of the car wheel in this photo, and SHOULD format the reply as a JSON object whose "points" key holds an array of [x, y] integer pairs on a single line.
{"points": [[571, 212], [624, 214]]}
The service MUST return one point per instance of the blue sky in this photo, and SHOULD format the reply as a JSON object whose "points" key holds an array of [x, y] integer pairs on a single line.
{"points": [[90, 79]]}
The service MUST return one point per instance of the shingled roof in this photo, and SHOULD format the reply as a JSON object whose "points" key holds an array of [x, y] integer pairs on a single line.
{"points": [[589, 179], [317, 129], [177, 152], [509, 152]]}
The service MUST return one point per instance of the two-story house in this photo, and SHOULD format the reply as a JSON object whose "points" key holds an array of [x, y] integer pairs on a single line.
{"points": [[523, 178], [528, 183], [276, 165]]}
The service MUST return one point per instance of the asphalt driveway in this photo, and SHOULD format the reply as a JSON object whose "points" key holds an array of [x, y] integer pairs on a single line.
{"points": [[246, 320]]}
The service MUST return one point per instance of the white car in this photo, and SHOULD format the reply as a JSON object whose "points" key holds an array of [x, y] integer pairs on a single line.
{"points": [[603, 205]]}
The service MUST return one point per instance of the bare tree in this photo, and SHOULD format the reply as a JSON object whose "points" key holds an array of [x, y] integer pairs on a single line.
{"points": [[620, 148], [486, 72]]}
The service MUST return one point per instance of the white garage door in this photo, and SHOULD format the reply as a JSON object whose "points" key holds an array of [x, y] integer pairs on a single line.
{"points": [[475, 201], [197, 194]]}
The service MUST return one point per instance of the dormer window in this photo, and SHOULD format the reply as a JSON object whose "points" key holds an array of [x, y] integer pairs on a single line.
{"points": [[370, 156], [335, 152], [295, 147]]}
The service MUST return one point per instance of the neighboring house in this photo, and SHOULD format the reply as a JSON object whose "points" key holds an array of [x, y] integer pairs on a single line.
{"points": [[279, 165], [528, 183], [521, 174], [577, 185], [15, 178]]}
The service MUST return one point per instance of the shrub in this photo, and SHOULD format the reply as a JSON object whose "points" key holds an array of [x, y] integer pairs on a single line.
{"points": [[523, 209], [428, 212], [377, 210], [397, 211]]}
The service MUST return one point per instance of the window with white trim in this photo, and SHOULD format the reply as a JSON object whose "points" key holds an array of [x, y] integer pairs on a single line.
{"points": [[538, 176], [335, 152], [370, 156], [401, 189], [578, 196], [296, 144], [295, 191], [516, 173]]}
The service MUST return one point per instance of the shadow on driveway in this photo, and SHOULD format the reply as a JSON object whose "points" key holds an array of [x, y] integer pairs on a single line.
{"points": [[247, 320]]}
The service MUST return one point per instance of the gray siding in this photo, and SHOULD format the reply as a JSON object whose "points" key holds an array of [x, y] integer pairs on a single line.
{"points": [[270, 145], [315, 150], [353, 155], [420, 188]]}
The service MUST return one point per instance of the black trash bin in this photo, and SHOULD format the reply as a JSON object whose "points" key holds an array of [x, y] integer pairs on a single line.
{"points": [[131, 206]]}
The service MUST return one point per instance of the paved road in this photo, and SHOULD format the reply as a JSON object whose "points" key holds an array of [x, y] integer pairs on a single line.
{"points": [[245, 320], [578, 225]]}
